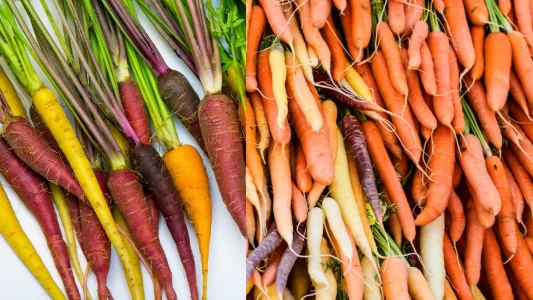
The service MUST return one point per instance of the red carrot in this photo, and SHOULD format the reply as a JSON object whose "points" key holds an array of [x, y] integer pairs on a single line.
{"points": [[135, 110]]}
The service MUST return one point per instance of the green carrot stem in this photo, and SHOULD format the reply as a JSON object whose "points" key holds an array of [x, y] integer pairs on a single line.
{"points": [[470, 118]]}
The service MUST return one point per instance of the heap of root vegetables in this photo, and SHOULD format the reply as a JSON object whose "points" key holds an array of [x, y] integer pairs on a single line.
{"points": [[102, 172], [389, 149]]}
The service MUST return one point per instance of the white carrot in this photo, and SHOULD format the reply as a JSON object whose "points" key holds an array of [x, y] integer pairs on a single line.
{"points": [[334, 218], [431, 250]]}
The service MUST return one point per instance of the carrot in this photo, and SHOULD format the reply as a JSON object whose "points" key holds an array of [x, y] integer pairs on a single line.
{"points": [[127, 194], [529, 242], [269, 276], [33, 191], [386, 172], [288, 259], [516, 195], [315, 231], [135, 110], [394, 277], [431, 251], [506, 219], [264, 77], [520, 175], [505, 7], [262, 124], [454, 270], [418, 286], [299, 205], [402, 120], [277, 21], [280, 177], [300, 46], [263, 250], [519, 107], [456, 22], [316, 145], [332, 38], [393, 58], [302, 176], [493, 267], [419, 35], [458, 122], [419, 188], [20, 243], [390, 139], [250, 221], [449, 294], [302, 94], [485, 218], [276, 59], [320, 11], [521, 263], [522, 13], [477, 12], [346, 22], [457, 175], [394, 223], [361, 22], [521, 62], [146, 160], [477, 98], [474, 246], [43, 131], [517, 289], [457, 214], [355, 143], [416, 100], [442, 101], [497, 71], [478, 39], [427, 71], [10, 94], [396, 14], [414, 11]]}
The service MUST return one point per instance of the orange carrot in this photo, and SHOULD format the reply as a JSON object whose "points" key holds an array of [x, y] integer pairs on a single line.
{"points": [[414, 10], [394, 277], [361, 22], [522, 62], [520, 175], [395, 227], [402, 120], [516, 194], [458, 122], [522, 264], [457, 24], [474, 245], [341, 5], [280, 176], [477, 12], [261, 122], [252, 43], [302, 176], [458, 220], [498, 60], [396, 14], [385, 169], [332, 38], [493, 267], [346, 21], [522, 13], [457, 175], [264, 77], [277, 21], [454, 270], [505, 6], [427, 72], [419, 188], [519, 96], [478, 39], [420, 33], [442, 101], [320, 10], [299, 206], [390, 50]]}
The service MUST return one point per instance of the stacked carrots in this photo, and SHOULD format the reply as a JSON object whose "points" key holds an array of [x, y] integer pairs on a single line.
{"points": [[397, 139]]}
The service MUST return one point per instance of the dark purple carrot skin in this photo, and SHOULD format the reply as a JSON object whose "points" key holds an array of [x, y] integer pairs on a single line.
{"points": [[222, 133], [33, 150], [271, 241], [289, 258], [181, 98], [127, 194], [135, 110], [95, 241], [356, 146], [154, 210], [147, 161], [43, 130], [352, 101], [32, 189]]}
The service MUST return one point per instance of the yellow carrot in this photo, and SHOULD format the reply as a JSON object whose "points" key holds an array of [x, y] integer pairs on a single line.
{"points": [[21, 244], [7, 88], [358, 84]]}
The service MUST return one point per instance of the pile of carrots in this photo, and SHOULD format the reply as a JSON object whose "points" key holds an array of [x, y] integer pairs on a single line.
{"points": [[389, 149]]}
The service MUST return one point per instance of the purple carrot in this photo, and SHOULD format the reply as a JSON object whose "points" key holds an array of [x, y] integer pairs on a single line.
{"points": [[263, 250], [356, 145], [43, 130], [154, 210], [289, 258], [147, 161], [32, 189], [222, 133]]}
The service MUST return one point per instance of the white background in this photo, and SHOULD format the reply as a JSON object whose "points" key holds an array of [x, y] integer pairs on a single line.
{"points": [[227, 253]]}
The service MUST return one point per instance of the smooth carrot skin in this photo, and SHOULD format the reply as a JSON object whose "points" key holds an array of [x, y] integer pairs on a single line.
{"points": [[361, 22], [269, 276], [277, 21], [394, 101], [414, 10], [346, 22], [33, 191], [477, 175], [279, 165], [457, 214], [458, 122], [419, 188], [454, 13], [521, 264], [320, 11], [493, 267], [299, 205], [441, 164], [521, 62], [478, 39], [302, 176], [316, 145], [506, 218], [393, 57], [262, 126], [264, 77], [416, 100], [396, 14], [420, 33], [332, 38], [276, 59], [449, 293], [442, 101], [389, 138], [477, 12], [519, 96], [497, 70], [394, 276], [522, 13], [454, 271], [418, 286], [135, 110], [474, 246], [300, 46], [521, 176], [516, 195], [10, 94], [385, 169], [505, 7], [427, 71], [477, 98], [253, 38]]}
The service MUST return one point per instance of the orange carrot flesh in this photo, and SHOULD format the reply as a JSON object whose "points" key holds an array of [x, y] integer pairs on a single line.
{"points": [[516, 194], [414, 10], [346, 21], [477, 12], [498, 60], [459, 33], [299, 205], [277, 21], [253, 38], [396, 14], [442, 102], [478, 39], [361, 22], [280, 177]]}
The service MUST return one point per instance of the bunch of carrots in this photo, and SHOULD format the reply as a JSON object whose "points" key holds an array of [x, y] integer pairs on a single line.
{"points": [[102, 172], [389, 149]]}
